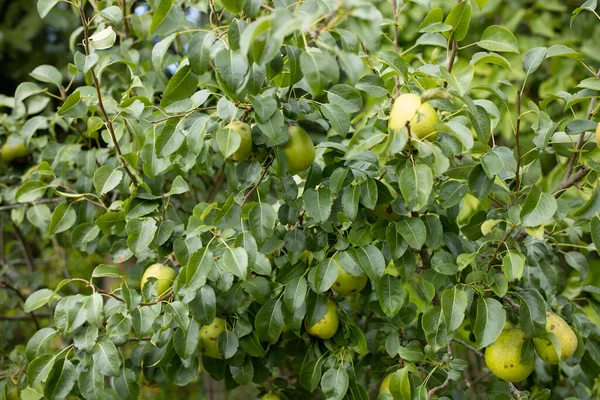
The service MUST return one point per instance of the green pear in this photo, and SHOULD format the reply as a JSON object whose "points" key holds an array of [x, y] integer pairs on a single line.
{"points": [[503, 357], [327, 326], [270, 396], [14, 151], [299, 150], [347, 284], [422, 116], [382, 212], [164, 274], [208, 338], [245, 150], [385, 384], [565, 335], [598, 135]]}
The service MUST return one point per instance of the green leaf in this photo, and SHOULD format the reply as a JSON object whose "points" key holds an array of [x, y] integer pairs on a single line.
{"points": [[538, 207], [269, 321], [106, 179], [294, 294], [595, 232], [337, 117], [235, 261], [390, 292], [413, 231], [199, 51], [395, 62], [39, 343], [532, 312], [39, 368], [228, 141], [262, 220], [325, 274], [232, 67], [533, 59], [479, 183], [490, 58], [371, 261], [459, 19], [513, 264], [140, 233], [489, 321], [334, 383], [319, 69], [181, 86], [91, 383], [434, 326], [228, 344], [169, 139], [345, 96], [318, 204], [47, 74], [400, 384], [454, 304], [578, 126], [126, 385], [30, 191], [63, 219], [38, 299], [234, 6], [31, 126], [106, 271], [498, 38], [106, 357], [160, 14], [45, 6], [61, 380], [416, 183]]}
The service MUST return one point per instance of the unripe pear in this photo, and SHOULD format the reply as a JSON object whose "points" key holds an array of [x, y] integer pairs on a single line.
{"points": [[327, 326], [299, 150], [14, 151], [565, 335], [503, 357], [347, 284], [270, 396], [382, 212], [164, 274], [598, 135], [422, 116], [245, 150], [208, 338]]}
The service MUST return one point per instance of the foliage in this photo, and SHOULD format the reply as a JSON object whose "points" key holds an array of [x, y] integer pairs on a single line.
{"points": [[494, 222]]}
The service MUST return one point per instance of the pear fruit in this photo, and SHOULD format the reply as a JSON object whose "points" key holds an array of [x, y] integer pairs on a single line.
{"points": [[382, 212], [270, 396], [164, 274], [245, 150], [422, 116], [14, 151], [598, 135], [385, 384], [565, 335], [503, 357], [208, 338], [347, 284], [327, 326], [299, 150]]}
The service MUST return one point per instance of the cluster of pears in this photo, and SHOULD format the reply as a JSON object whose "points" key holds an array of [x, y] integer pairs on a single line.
{"points": [[345, 284], [299, 150], [503, 357], [409, 109]]}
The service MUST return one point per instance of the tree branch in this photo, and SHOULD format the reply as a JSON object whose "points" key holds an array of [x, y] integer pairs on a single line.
{"points": [[518, 144], [19, 205], [451, 59], [468, 346], [23, 317], [439, 388], [251, 192], [514, 391], [498, 248]]}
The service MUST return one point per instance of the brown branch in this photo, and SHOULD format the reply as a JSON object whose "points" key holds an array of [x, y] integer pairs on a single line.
{"points": [[572, 180], [439, 388], [25, 248], [468, 346], [498, 248], [23, 299], [451, 59], [395, 11], [514, 391], [107, 119], [264, 173], [217, 185], [511, 303], [23, 317], [19, 205]]}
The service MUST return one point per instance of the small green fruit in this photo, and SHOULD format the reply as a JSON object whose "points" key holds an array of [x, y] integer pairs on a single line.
{"points": [[347, 284], [503, 357], [164, 274], [382, 212], [299, 150], [598, 135], [270, 396], [422, 116], [14, 151], [208, 338], [327, 326], [245, 150], [565, 335], [385, 384]]}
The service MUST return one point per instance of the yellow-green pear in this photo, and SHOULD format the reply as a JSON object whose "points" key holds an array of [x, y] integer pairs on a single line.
{"points": [[422, 116], [164, 274], [327, 326], [382, 212], [503, 357], [347, 284], [598, 135], [270, 396], [299, 150], [565, 335], [245, 150], [208, 338], [385, 384], [14, 151]]}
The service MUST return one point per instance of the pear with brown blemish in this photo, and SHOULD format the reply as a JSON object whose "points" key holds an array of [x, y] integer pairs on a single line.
{"points": [[565, 336], [327, 326], [503, 357], [208, 338]]}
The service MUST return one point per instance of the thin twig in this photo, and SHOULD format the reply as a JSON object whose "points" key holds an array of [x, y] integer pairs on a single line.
{"points": [[107, 119], [25, 248], [395, 11], [468, 346], [439, 388], [498, 248], [518, 144], [22, 317], [23, 299], [217, 185], [264, 173], [451, 59], [19, 205], [514, 391], [511, 303]]}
